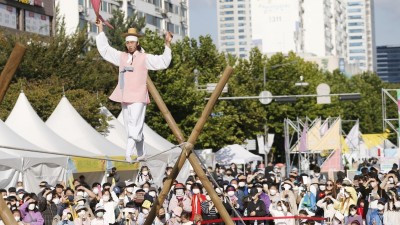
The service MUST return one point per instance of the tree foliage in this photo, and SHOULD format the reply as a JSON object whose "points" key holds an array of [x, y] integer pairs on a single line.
{"points": [[72, 63]]}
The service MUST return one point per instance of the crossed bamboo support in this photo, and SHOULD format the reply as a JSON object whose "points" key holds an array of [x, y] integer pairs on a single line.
{"points": [[5, 79], [188, 147]]}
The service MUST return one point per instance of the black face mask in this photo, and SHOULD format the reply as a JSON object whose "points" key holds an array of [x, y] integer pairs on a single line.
{"points": [[161, 217]]}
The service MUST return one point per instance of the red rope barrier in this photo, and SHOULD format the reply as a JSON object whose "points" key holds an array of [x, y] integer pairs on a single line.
{"points": [[264, 218]]}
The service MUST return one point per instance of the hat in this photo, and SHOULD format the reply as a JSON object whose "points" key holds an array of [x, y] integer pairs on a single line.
{"points": [[346, 182], [253, 192], [80, 198], [177, 211], [288, 182], [21, 191], [129, 183], [132, 32], [322, 182], [99, 208], [146, 204], [80, 207], [258, 185], [179, 186]]}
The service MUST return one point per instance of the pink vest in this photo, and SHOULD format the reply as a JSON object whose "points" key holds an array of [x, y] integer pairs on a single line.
{"points": [[132, 85]]}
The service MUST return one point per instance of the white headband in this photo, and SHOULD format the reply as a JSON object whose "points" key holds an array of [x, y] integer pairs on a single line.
{"points": [[131, 38]]}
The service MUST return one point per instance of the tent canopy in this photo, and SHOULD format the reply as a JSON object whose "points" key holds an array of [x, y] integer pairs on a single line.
{"points": [[235, 154]]}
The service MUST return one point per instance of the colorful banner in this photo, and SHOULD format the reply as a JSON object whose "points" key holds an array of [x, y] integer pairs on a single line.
{"points": [[84, 165]]}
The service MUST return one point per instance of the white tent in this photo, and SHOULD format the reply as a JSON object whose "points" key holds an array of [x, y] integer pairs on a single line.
{"points": [[24, 121], [235, 154], [154, 145], [34, 167], [67, 123]]}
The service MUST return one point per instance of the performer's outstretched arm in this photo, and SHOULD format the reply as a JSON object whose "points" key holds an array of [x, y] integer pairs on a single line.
{"points": [[160, 62], [106, 51]]}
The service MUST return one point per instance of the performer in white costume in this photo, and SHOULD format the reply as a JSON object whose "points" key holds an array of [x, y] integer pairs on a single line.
{"points": [[131, 90]]}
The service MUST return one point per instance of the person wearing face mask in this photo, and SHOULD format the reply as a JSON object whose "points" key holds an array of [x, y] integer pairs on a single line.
{"points": [[308, 201], [82, 217], [160, 218], [376, 217], [17, 216], [151, 195], [233, 198], [317, 176], [353, 215], [146, 206], [371, 192], [208, 209], [273, 193], [238, 192], [326, 204], [228, 175], [197, 198], [99, 216], [281, 210], [392, 214], [129, 192], [389, 182], [180, 199], [144, 176], [30, 213], [47, 207], [175, 216], [242, 185], [81, 201], [42, 186], [347, 197], [67, 218], [256, 207], [109, 201], [288, 195], [262, 189]]}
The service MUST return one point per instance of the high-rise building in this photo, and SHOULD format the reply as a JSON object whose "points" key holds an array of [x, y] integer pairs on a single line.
{"points": [[321, 28], [160, 16], [388, 63], [361, 34], [234, 27], [32, 16]]}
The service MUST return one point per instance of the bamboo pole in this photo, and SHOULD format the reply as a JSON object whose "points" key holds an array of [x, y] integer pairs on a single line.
{"points": [[188, 148], [9, 69]]}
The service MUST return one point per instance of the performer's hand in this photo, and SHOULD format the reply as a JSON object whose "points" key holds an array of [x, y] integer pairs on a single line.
{"points": [[168, 38], [99, 24]]}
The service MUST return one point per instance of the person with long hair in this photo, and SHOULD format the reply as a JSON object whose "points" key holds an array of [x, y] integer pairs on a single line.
{"points": [[144, 176], [392, 213], [353, 215], [197, 198]]}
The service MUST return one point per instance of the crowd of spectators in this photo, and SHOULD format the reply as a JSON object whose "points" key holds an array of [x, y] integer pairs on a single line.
{"points": [[370, 197]]}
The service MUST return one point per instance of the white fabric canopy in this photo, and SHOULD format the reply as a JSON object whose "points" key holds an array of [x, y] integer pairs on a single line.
{"points": [[24, 121], [235, 154], [66, 122]]}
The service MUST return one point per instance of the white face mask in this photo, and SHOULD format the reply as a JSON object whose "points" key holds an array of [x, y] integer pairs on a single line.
{"points": [[17, 218], [231, 193], [322, 187], [397, 204], [80, 193], [145, 211], [95, 191], [196, 191], [31, 207], [279, 208], [188, 186], [129, 189], [316, 175], [208, 198], [391, 180], [353, 212], [20, 196], [286, 187], [272, 192], [56, 201], [49, 197], [81, 203], [179, 192], [146, 190], [219, 191], [259, 190], [100, 214], [152, 194], [106, 198], [81, 213], [145, 172], [381, 207], [242, 184]]}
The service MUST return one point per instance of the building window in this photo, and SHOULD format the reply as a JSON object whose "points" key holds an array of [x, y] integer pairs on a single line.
{"points": [[355, 37], [353, 44], [242, 43], [228, 19], [242, 36], [357, 50], [354, 4], [356, 30], [241, 6], [228, 31], [241, 30], [357, 58], [226, 13], [242, 49], [353, 24], [355, 17], [227, 25], [241, 24], [356, 10], [230, 50], [241, 12], [243, 55]]}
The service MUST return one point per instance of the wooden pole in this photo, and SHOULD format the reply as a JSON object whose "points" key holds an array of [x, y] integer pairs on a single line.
{"points": [[9, 69], [5, 79], [5, 213], [188, 148]]}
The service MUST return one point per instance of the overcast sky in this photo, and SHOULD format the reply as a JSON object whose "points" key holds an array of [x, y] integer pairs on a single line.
{"points": [[203, 20]]}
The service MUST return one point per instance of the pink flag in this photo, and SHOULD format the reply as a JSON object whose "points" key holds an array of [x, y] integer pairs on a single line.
{"points": [[333, 163], [96, 8], [303, 139]]}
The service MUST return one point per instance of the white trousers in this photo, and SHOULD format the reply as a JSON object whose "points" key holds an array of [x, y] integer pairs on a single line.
{"points": [[134, 114]]}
